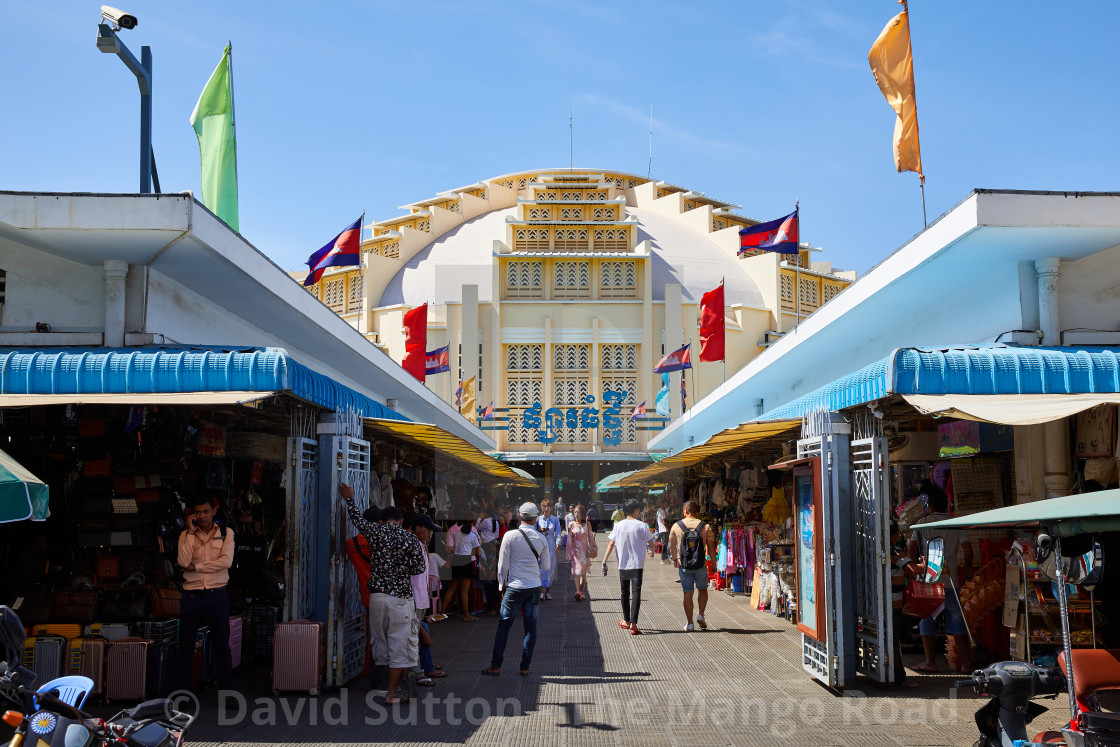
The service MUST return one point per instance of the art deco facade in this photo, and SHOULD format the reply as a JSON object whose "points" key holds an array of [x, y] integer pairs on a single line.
{"points": [[553, 288]]}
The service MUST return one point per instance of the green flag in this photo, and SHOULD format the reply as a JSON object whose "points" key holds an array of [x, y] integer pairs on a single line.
{"points": [[213, 122]]}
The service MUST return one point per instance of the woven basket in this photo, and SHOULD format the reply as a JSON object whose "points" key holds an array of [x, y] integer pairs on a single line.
{"points": [[263, 446]]}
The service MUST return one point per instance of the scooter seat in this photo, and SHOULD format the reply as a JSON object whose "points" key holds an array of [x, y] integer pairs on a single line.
{"points": [[1093, 669]]}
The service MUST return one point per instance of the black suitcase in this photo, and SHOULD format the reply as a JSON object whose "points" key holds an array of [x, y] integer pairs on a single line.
{"points": [[162, 660]]}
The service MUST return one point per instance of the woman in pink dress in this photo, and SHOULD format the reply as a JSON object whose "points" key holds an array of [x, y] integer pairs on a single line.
{"points": [[581, 549]]}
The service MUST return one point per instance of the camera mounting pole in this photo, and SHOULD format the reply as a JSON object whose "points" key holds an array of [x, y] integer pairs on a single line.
{"points": [[109, 43]]}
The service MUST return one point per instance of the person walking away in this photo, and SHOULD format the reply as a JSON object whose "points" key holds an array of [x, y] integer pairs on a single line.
{"points": [[561, 510], [522, 557], [592, 517], [617, 516], [952, 540], [357, 549], [663, 531], [488, 535], [466, 551], [396, 556], [205, 555], [694, 539], [581, 549], [423, 527], [549, 527], [630, 539]]}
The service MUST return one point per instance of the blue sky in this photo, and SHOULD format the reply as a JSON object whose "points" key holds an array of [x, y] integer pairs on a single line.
{"points": [[369, 105]]}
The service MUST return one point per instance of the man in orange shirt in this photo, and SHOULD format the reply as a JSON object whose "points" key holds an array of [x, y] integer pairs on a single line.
{"points": [[205, 555]]}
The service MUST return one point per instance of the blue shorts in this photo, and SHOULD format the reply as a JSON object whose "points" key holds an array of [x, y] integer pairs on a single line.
{"points": [[954, 618], [693, 579]]}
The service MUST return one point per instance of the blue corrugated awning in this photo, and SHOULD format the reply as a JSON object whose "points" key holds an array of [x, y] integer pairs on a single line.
{"points": [[991, 370], [146, 371]]}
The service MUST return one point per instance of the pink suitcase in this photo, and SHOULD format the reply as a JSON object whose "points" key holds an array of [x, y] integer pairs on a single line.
{"points": [[297, 657], [126, 669], [87, 658]]}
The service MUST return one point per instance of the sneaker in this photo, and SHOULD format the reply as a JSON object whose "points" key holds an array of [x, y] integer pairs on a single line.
{"points": [[701, 622], [688, 628]]}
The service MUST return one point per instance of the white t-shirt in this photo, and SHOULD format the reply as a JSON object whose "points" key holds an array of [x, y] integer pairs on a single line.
{"points": [[630, 538], [661, 521], [487, 529], [465, 542]]}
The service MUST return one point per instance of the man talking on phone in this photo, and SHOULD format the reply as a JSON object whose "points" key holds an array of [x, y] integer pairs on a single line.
{"points": [[205, 555]]}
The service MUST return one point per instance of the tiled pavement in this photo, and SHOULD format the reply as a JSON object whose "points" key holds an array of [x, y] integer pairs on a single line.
{"points": [[739, 683]]}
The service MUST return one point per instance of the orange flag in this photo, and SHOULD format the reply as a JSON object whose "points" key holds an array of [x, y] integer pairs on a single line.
{"points": [[892, 63]]}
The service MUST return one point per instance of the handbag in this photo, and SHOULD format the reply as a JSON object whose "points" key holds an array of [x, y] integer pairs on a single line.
{"points": [[166, 602], [76, 606], [127, 605], [923, 599]]}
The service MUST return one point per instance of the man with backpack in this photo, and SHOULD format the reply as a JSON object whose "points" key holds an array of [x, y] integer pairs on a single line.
{"points": [[694, 540]]}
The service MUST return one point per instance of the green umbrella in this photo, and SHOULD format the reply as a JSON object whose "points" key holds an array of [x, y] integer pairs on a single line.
{"points": [[610, 482], [22, 494]]}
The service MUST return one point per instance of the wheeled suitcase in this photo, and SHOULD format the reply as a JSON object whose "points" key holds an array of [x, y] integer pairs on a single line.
{"points": [[297, 657], [162, 658], [87, 658], [126, 669], [198, 663], [262, 627], [109, 631], [158, 631], [49, 658]]}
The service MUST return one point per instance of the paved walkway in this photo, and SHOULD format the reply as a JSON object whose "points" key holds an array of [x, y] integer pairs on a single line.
{"points": [[739, 683]]}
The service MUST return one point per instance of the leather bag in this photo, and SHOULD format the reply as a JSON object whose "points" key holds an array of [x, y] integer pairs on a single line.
{"points": [[165, 602]]}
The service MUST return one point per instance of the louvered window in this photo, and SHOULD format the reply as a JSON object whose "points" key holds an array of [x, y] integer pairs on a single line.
{"points": [[612, 240], [524, 279], [571, 279], [618, 279]]}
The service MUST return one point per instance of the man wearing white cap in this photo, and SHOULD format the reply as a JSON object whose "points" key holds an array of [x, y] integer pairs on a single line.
{"points": [[521, 558]]}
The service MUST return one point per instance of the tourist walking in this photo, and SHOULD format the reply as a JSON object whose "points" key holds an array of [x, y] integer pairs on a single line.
{"points": [[549, 527], [522, 557], [630, 539], [396, 557], [423, 527], [694, 540], [464, 568], [663, 531], [581, 549]]}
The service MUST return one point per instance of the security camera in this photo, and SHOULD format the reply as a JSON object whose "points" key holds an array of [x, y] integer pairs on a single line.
{"points": [[118, 16]]}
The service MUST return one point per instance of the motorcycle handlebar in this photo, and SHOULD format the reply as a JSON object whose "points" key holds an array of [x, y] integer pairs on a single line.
{"points": [[60, 705], [971, 682]]}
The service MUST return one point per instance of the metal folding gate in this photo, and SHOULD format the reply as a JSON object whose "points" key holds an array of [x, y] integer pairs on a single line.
{"points": [[872, 570], [346, 618], [300, 568], [826, 435]]}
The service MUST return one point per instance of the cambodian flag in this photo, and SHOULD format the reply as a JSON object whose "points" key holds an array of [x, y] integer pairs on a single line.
{"points": [[639, 412], [678, 360], [487, 412], [437, 361], [344, 250], [779, 235]]}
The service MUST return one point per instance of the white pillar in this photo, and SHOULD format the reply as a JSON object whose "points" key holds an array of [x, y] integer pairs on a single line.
{"points": [[1056, 432], [115, 273]]}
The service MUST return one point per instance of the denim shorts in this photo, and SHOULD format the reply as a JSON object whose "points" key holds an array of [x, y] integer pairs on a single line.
{"points": [[696, 578], [954, 617]]}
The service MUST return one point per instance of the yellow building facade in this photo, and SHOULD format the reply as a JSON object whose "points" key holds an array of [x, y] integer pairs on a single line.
{"points": [[558, 291]]}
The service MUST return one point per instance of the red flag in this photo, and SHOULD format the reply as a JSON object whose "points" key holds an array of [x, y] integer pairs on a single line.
{"points": [[711, 325], [415, 341]]}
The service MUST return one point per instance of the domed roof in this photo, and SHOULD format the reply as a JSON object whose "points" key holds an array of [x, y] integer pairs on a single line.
{"points": [[465, 256]]}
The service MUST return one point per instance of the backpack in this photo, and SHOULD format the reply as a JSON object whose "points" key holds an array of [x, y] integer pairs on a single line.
{"points": [[692, 546]]}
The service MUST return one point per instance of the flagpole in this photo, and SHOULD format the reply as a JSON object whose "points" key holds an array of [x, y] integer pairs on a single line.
{"points": [[692, 372], [233, 123], [361, 273], [797, 268], [914, 95]]}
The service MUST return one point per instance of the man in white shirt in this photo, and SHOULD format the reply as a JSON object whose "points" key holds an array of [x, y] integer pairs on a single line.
{"points": [[487, 527], [630, 539], [663, 531], [521, 559]]}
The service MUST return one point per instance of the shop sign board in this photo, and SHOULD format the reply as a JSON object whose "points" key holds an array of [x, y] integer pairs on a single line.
{"points": [[212, 440], [545, 426], [961, 438]]}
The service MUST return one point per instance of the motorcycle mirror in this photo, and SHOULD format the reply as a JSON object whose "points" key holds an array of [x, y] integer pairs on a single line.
{"points": [[12, 635], [935, 559], [1084, 569]]}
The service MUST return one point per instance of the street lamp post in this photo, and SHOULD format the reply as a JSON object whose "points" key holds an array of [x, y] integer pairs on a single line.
{"points": [[109, 43]]}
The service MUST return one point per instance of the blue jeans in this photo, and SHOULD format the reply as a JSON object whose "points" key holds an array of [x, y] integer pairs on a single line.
{"points": [[954, 617], [426, 662], [512, 601]]}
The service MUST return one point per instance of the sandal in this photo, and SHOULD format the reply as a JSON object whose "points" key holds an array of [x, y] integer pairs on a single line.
{"points": [[623, 624], [926, 668], [425, 682], [524, 672], [437, 673], [469, 619], [491, 672]]}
